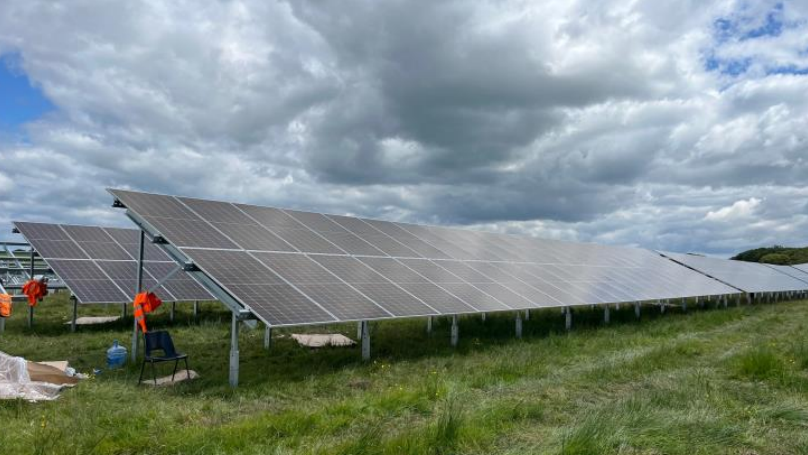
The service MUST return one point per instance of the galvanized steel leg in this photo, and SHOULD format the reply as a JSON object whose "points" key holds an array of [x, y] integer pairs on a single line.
{"points": [[568, 319], [234, 351], [482, 317], [138, 287], [662, 306], [617, 306], [606, 314], [726, 301], [30, 316], [455, 331], [359, 330], [429, 325], [518, 325], [527, 315], [684, 304], [637, 309], [75, 302], [365, 340], [267, 337], [196, 308], [2, 325]]}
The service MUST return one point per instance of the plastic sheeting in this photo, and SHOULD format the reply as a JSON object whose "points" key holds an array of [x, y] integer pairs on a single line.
{"points": [[320, 340], [15, 381]]}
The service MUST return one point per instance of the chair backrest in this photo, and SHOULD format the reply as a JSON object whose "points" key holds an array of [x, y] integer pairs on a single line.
{"points": [[159, 341]]}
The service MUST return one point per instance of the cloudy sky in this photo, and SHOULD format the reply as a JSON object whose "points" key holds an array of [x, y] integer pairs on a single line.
{"points": [[672, 124]]}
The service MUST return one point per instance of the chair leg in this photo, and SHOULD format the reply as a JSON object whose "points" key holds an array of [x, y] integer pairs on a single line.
{"points": [[142, 367], [176, 363], [154, 373]]}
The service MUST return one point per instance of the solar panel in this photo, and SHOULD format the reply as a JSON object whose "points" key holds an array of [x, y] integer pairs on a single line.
{"points": [[290, 267], [98, 265], [748, 276], [801, 267]]}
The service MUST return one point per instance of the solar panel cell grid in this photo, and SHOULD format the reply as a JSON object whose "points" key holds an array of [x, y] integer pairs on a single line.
{"points": [[217, 212], [350, 243], [349, 269], [253, 237], [37, 231], [306, 240], [296, 268], [394, 299], [60, 249], [190, 233], [280, 304], [104, 250], [343, 302]]}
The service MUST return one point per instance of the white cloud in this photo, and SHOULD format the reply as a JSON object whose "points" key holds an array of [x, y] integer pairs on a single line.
{"points": [[598, 121], [6, 184], [738, 210]]}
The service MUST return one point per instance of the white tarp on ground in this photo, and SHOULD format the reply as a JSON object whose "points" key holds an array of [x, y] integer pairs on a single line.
{"points": [[93, 320], [315, 340], [15, 381]]}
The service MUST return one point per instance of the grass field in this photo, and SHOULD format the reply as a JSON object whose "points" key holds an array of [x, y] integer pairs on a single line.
{"points": [[714, 381]]}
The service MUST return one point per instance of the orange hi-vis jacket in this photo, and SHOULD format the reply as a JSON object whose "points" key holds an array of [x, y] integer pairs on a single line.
{"points": [[5, 305], [35, 290], [145, 302]]}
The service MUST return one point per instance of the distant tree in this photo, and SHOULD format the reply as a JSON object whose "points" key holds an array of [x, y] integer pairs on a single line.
{"points": [[776, 258], [776, 254]]}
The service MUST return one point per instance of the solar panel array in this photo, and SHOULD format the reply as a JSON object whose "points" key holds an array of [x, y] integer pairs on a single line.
{"points": [[747, 276], [293, 268], [801, 267], [99, 264]]}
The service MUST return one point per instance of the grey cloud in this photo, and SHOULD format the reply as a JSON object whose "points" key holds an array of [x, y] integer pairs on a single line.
{"points": [[595, 122]]}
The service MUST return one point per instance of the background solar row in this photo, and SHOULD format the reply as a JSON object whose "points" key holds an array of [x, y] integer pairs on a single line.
{"points": [[291, 267], [98, 264], [748, 276], [802, 267]]}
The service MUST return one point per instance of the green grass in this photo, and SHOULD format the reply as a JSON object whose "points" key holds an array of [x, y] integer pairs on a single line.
{"points": [[712, 381]]}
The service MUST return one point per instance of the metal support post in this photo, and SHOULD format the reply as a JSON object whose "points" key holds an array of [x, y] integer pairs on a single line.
{"points": [[138, 287], [234, 350], [75, 303], [429, 325], [568, 319], [267, 337], [684, 304], [31, 308], [173, 312], [606, 314], [482, 317], [726, 301], [637, 309], [527, 315], [518, 324], [359, 330], [365, 340], [455, 331], [196, 308], [617, 306], [662, 305], [2, 325]]}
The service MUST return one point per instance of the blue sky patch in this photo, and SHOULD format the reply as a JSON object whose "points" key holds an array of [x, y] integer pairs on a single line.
{"points": [[20, 100]]}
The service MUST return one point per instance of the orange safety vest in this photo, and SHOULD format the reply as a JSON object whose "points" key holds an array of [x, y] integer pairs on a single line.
{"points": [[35, 290], [145, 302], [5, 305]]}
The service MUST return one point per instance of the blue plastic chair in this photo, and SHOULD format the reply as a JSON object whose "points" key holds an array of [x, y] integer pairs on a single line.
{"points": [[160, 341]]}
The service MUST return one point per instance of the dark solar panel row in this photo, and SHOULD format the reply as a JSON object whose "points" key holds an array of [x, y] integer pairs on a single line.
{"points": [[290, 267], [98, 264]]}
